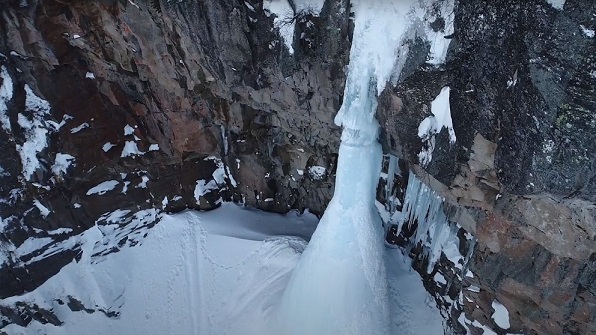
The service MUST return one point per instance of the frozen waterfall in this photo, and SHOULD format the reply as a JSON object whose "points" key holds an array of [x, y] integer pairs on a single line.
{"points": [[340, 283]]}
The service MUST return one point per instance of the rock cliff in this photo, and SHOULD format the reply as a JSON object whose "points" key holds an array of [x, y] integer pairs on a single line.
{"points": [[137, 106]]}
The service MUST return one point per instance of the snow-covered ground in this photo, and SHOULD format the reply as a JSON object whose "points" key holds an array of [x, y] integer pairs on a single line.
{"points": [[219, 272]]}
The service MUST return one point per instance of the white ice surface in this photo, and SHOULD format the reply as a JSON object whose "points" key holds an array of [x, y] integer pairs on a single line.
{"points": [[210, 273]]}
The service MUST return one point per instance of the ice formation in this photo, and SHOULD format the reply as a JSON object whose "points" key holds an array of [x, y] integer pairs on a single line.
{"points": [[340, 283], [434, 231]]}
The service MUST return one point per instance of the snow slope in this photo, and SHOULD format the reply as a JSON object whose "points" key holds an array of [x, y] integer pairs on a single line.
{"points": [[219, 272]]}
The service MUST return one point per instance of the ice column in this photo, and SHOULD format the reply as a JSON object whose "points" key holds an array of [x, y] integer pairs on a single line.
{"points": [[339, 285]]}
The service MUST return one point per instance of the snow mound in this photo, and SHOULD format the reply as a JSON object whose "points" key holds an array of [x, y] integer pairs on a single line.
{"points": [[211, 273]]}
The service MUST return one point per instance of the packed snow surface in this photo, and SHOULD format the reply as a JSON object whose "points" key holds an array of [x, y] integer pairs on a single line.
{"points": [[208, 273]]}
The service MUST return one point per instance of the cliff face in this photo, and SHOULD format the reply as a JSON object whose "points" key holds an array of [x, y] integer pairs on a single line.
{"points": [[179, 104], [521, 175], [183, 104]]}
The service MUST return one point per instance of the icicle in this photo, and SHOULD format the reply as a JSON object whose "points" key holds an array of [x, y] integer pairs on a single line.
{"points": [[434, 232], [390, 199]]}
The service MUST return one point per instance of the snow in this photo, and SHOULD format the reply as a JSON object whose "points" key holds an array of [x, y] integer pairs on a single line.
{"points": [[439, 278], [432, 125], [116, 216], [220, 272], [134, 4], [442, 112], [222, 172], [90, 75], [125, 187], [203, 188], [6, 91], [79, 128], [249, 6], [36, 127], [473, 288], [154, 147], [61, 163], [128, 130], [103, 188], [42, 209], [465, 322], [143, 183], [59, 231], [317, 172], [3, 172], [438, 43], [107, 146], [558, 4], [588, 32], [501, 315], [309, 6], [283, 21], [31, 245], [130, 149]]}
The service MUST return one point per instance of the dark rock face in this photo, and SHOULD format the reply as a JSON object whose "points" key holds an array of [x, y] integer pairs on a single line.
{"points": [[522, 170], [167, 97], [197, 80]]}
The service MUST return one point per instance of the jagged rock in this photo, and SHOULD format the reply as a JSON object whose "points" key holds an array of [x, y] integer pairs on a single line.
{"points": [[198, 80]]}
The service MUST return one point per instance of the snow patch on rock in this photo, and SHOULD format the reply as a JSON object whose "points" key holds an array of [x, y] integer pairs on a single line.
{"points": [[103, 188], [283, 21], [317, 172], [588, 32], [107, 146], [432, 125], [130, 149], [61, 163], [501, 315], [43, 210], [79, 128], [36, 128], [6, 92]]}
